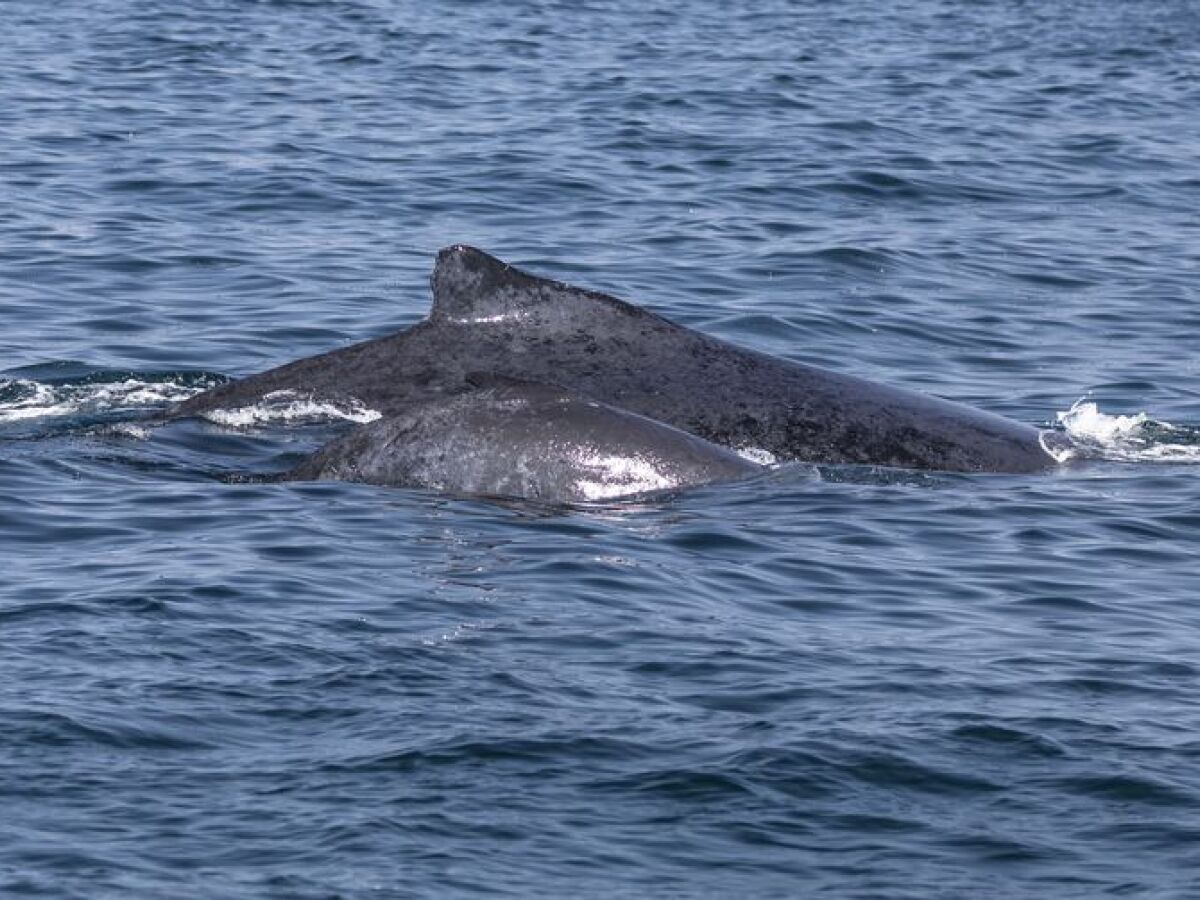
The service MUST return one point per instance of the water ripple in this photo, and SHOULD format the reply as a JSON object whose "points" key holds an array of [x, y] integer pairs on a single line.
{"points": [[872, 683]]}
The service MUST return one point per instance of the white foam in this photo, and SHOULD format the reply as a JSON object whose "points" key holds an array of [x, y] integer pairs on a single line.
{"points": [[757, 455], [1136, 438], [35, 400], [1058, 445], [1084, 420], [292, 408], [127, 430]]}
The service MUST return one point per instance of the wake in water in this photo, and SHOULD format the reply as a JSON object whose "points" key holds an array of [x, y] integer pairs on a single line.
{"points": [[291, 408], [1097, 435], [97, 396], [83, 398]]}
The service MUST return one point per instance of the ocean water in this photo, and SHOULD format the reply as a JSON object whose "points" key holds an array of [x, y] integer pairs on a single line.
{"points": [[833, 682]]}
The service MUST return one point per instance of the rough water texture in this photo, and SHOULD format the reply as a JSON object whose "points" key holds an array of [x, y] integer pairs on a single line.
{"points": [[829, 681]]}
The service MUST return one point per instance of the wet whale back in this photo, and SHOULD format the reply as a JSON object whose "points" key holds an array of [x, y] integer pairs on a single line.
{"points": [[629, 357], [490, 316]]}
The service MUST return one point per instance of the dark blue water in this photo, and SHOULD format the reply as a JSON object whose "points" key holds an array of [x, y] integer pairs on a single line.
{"points": [[823, 682]]}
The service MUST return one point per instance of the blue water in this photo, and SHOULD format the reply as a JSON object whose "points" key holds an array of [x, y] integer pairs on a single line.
{"points": [[823, 682]]}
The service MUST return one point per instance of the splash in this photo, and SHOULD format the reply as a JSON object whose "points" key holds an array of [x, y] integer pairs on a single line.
{"points": [[99, 394], [1137, 438], [292, 408]]}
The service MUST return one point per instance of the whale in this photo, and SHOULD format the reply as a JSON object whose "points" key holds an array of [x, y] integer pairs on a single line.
{"points": [[504, 438], [489, 316]]}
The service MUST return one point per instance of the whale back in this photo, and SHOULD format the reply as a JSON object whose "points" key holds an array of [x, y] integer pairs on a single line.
{"points": [[490, 316]]}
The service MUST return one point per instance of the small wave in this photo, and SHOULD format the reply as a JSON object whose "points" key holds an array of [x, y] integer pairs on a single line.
{"points": [[24, 399], [1136, 438], [294, 409]]}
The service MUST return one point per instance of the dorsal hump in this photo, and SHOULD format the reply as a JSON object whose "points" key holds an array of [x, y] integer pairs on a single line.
{"points": [[470, 286]]}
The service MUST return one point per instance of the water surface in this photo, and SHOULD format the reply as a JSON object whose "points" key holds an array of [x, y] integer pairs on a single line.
{"points": [[822, 682]]}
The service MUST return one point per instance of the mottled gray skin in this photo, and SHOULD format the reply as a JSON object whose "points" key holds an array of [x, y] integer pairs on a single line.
{"points": [[533, 441], [489, 316]]}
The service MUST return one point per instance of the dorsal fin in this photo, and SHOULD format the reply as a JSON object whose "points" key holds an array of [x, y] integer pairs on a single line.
{"points": [[471, 286]]}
